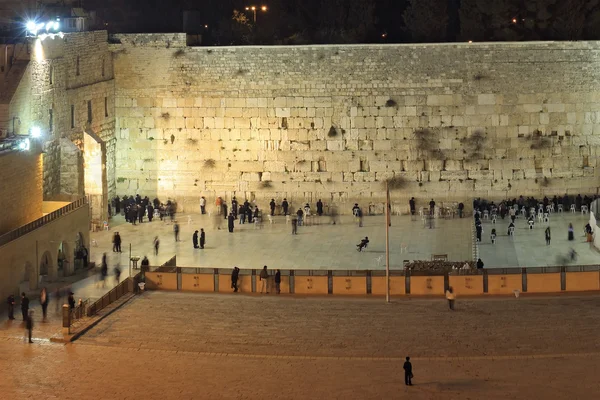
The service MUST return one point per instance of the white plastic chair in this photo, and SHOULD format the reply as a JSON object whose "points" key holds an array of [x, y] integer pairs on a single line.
{"points": [[403, 248], [531, 223], [550, 208], [584, 209], [486, 214], [572, 208], [270, 219], [523, 211], [511, 231], [540, 217], [189, 219], [560, 208], [546, 217]]}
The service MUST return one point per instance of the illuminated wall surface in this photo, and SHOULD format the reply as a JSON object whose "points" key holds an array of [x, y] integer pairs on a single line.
{"points": [[333, 122], [21, 189]]}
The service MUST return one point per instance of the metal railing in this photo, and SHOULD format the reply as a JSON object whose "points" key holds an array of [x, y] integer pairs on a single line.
{"points": [[38, 223], [80, 310], [129, 285]]}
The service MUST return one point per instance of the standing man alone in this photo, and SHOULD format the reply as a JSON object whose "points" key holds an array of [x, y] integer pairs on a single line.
{"points": [[202, 238], [264, 275], [234, 279], [408, 372]]}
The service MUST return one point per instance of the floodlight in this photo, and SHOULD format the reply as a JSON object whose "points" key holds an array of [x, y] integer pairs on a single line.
{"points": [[36, 132], [31, 26], [24, 145]]}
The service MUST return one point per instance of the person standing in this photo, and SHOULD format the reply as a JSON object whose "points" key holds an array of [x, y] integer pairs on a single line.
{"points": [[299, 214], [234, 279], [141, 210], [24, 306], [44, 299], [195, 239], [242, 214], [571, 233], [103, 271], [71, 301], [359, 216], [412, 205], [461, 207], [202, 238], [224, 206], [230, 220], [29, 325], [145, 263], [294, 226], [218, 203], [547, 235], [450, 297], [479, 231], [117, 242], [202, 205], [264, 276], [234, 207], [150, 210], [479, 264], [277, 281], [285, 206], [156, 244], [11, 306], [319, 208], [431, 207], [57, 296], [272, 206], [408, 375], [176, 231]]}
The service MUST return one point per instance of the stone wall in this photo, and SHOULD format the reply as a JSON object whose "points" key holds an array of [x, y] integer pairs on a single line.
{"points": [[21, 188], [453, 121], [67, 73]]}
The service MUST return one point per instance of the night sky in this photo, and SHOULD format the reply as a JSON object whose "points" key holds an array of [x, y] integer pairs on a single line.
{"points": [[356, 21]]}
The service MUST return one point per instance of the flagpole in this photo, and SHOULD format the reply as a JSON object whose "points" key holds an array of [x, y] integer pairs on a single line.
{"points": [[387, 243]]}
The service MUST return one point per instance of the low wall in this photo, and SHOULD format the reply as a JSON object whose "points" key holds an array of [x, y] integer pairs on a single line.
{"points": [[372, 283]]}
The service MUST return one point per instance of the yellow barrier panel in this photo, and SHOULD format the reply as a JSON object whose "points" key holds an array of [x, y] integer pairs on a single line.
{"points": [[161, 281], [397, 285], [426, 285], [583, 281], [349, 285], [311, 285], [504, 284], [543, 283], [198, 283], [244, 284], [466, 284]]}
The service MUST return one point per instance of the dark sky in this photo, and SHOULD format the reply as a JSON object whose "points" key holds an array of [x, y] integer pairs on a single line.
{"points": [[357, 21]]}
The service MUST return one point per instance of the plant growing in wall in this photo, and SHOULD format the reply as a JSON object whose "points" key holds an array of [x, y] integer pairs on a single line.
{"points": [[539, 142], [427, 144], [172, 138], [266, 184], [391, 103], [396, 183], [179, 53], [209, 163], [165, 116], [192, 141], [120, 180], [332, 132], [474, 145]]}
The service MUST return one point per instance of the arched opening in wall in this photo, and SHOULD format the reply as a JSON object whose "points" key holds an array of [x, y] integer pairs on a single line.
{"points": [[71, 169], [94, 171], [46, 267], [81, 252]]}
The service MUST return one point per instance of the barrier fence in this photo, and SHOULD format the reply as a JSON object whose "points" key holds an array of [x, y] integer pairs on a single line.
{"points": [[502, 281], [129, 285]]}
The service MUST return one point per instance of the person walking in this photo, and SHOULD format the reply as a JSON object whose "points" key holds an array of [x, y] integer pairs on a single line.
{"points": [[57, 297], [156, 244], [29, 325], [202, 205], [44, 299], [176, 231], [571, 233], [195, 239], [547, 235], [10, 301], [117, 272], [234, 207], [103, 272], [264, 276], [202, 238], [277, 281], [450, 297], [299, 214], [242, 214], [359, 216], [24, 306], [230, 220], [234, 279], [408, 375]]}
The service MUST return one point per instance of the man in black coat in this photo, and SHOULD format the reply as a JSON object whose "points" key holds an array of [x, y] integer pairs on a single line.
{"points": [[408, 372], [150, 212], [319, 208], [272, 205], [202, 238], [412, 205], [284, 206], [234, 207], [11, 306], [24, 306], [195, 239], [141, 210], [230, 219], [234, 278]]}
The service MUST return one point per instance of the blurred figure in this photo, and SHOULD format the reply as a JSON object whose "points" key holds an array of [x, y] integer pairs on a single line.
{"points": [[57, 296], [234, 279], [202, 238], [71, 301], [277, 281], [11, 306], [176, 231], [117, 272], [571, 233], [450, 297], [29, 325], [548, 236], [363, 244], [156, 244], [44, 299], [24, 306], [145, 262]]}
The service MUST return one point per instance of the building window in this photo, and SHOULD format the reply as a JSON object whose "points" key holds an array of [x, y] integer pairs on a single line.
{"points": [[77, 67], [50, 120], [72, 116], [89, 104], [106, 106], [103, 67], [51, 75]]}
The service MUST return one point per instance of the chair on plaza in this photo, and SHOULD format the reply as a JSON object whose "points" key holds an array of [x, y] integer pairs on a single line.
{"points": [[540, 216], [523, 211], [486, 214], [494, 217], [421, 211], [403, 248], [560, 208], [584, 209], [531, 223], [572, 208], [546, 217], [157, 212], [550, 208], [287, 219], [270, 219], [189, 220], [532, 210], [511, 231]]}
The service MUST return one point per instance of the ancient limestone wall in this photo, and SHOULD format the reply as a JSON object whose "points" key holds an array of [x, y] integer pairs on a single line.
{"points": [[453, 121], [21, 189], [67, 73]]}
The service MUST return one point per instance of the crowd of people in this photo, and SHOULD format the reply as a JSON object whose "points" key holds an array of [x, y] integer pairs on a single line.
{"points": [[134, 209]]}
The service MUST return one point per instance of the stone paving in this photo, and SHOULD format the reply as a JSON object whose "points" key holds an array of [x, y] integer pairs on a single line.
{"points": [[322, 246], [528, 247], [188, 346]]}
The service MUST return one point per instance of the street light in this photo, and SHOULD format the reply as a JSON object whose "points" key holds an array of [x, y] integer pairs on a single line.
{"points": [[254, 8]]}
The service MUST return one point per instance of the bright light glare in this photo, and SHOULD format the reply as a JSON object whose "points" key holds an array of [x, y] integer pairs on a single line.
{"points": [[24, 145], [36, 132], [264, 8], [253, 8], [56, 25], [31, 26], [49, 25]]}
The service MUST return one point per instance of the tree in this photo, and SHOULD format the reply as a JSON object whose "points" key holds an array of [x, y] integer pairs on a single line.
{"points": [[427, 20]]}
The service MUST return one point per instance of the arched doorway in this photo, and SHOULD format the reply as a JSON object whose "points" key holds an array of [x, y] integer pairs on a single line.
{"points": [[81, 252], [46, 266], [94, 171]]}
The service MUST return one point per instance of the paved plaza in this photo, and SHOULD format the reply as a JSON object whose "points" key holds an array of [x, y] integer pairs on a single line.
{"points": [[318, 246], [167, 346]]}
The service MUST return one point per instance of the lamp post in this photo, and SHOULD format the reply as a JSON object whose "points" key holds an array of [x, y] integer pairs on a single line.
{"points": [[254, 9]]}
